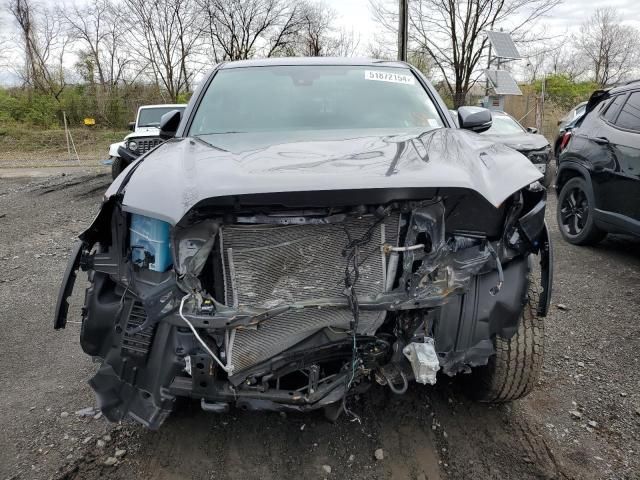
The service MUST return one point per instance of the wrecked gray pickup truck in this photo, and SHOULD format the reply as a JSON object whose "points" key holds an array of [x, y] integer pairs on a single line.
{"points": [[313, 227]]}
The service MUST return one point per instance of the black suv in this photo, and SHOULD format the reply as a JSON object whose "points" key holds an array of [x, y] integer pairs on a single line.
{"points": [[598, 179]]}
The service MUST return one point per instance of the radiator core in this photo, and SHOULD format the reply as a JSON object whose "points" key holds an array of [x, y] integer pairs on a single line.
{"points": [[266, 266]]}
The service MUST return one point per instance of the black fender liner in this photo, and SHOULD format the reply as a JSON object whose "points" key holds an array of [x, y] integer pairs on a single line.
{"points": [[546, 271], [66, 289], [466, 325]]}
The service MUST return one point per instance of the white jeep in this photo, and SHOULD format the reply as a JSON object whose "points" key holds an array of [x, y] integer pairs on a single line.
{"points": [[145, 135]]}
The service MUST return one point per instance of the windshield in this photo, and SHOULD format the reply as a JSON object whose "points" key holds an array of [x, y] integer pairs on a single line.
{"points": [[150, 117], [297, 98], [504, 125]]}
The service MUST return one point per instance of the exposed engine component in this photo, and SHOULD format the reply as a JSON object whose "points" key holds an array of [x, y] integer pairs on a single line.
{"points": [[424, 361]]}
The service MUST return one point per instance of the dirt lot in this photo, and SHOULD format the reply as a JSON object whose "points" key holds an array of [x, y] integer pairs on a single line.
{"points": [[591, 369]]}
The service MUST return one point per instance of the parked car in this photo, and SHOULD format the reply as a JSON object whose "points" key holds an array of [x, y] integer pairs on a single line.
{"points": [[572, 115], [507, 130], [598, 180], [566, 124], [315, 226], [144, 136]]}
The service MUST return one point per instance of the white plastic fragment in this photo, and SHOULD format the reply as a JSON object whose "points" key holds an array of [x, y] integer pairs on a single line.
{"points": [[424, 361], [187, 364]]}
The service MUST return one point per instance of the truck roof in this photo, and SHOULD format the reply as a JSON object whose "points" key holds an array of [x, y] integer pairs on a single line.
{"points": [[291, 61], [163, 105]]}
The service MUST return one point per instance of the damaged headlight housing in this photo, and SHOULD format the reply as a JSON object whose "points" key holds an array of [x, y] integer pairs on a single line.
{"points": [[149, 241], [539, 156]]}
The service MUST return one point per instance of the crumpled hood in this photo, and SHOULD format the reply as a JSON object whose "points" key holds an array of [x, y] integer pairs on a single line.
{"points": [[180, 173], [520, 141]]}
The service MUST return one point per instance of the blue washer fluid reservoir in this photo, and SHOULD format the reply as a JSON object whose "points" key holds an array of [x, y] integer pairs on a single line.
{"points": [[149, 242]]}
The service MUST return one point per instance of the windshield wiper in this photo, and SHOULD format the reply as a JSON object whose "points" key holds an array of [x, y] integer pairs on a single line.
{"points": [[196, 137]]}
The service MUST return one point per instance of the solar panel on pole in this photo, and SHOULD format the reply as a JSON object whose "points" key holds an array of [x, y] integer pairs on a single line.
{"points": [[502, 82], [503, 46]]}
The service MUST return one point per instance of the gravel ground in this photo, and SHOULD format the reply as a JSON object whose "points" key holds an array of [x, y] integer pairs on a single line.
{"points": [[582, 422]]}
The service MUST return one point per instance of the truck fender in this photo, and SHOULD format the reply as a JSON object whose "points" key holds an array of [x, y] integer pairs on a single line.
{"points": [[113, 149]]}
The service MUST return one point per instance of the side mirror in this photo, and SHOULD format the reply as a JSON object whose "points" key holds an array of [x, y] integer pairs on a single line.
{"points": [[476, 119], [169, 124], [132, 126], [532, 130]]}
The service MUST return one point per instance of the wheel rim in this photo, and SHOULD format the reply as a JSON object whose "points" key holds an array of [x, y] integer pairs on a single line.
{"points": [[574, 211]]}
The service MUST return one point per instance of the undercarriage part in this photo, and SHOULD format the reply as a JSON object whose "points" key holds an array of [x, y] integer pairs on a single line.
{"points": [[392, 376], [423, 360]]}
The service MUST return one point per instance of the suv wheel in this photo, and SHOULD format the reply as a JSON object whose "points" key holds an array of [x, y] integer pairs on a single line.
{"points": [[575, 214], [513, 371], [117, 167]]}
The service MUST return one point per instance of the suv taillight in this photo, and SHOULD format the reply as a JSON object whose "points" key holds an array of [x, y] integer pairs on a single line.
{"points": [[565, 140]]}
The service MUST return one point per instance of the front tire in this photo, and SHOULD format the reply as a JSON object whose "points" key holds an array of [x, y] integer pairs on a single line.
{"points": [[117, 167], [514, 370], [575, 213]]}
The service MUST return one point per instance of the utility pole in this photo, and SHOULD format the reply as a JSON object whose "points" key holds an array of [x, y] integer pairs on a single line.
{"points": [[403, 29]]}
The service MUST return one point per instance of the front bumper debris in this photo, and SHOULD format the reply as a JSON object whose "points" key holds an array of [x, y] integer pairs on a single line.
{"points": [[282, 336]]}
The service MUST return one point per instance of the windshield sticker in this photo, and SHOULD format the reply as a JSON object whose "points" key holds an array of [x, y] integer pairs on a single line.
{"points": [[388, 77]]}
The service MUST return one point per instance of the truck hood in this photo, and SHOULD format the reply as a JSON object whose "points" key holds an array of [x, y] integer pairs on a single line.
{"points": [[144, 132], [174, 177], [520, 141]]}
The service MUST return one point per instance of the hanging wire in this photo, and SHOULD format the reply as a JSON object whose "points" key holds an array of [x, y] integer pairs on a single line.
{"points": [[351, 276]]}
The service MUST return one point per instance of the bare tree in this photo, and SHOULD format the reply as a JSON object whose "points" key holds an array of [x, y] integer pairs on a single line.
{"points": [[346, 43], [452, 32], [4, 41], [315, 33], [43, 41], [566, 61], [96, 29], [241, 29], [318, 36], [164, 35], [610, 48]]}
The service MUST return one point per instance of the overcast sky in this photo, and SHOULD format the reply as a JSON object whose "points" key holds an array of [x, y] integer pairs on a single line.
{"points": [[565, 18]]}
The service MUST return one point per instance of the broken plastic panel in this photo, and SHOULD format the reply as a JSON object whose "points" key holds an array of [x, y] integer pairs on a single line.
{"points": [[424, 361]]}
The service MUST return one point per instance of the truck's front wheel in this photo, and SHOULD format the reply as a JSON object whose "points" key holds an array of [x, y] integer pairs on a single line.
{"points": [[117, 167], [513, 371]]}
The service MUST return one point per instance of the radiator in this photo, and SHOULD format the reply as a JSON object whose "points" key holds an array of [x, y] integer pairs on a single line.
{"points": [[270, 265]]}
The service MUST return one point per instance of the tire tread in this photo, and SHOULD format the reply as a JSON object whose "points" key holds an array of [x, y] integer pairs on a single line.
{"points": [[514, 370]]}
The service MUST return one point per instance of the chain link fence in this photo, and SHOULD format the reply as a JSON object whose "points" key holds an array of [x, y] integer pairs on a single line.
{"points": [[21, 146], [529, 110]]}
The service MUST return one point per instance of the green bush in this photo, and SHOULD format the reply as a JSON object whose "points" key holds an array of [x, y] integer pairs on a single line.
{"points": [[564, 92], [111, 108]]}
